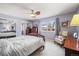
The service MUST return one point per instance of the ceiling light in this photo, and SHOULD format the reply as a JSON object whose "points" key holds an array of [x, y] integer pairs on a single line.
{"points": [[33, 15]]}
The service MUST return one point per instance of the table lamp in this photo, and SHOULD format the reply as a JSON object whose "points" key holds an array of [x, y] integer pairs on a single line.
{"points": [[75, 20], [75, 23]]}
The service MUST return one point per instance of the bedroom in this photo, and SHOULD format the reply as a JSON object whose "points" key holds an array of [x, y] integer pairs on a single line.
{"points": [[36, 29]]}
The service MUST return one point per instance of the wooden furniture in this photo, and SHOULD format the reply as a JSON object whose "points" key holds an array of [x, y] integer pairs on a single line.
{"points": [[32, 31], [41, 36], [28, 30], [70, 46]]}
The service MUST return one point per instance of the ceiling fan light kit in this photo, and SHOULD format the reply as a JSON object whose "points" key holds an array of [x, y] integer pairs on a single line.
{"points": [[37, 12], [33, 15]]}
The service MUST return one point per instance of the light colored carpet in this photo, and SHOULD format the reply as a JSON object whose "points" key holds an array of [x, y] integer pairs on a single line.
{"points": [[51, 49]]}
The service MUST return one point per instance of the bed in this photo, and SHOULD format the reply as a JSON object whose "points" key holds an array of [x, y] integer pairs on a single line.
{"points": [[7, 34], [20, 46]]}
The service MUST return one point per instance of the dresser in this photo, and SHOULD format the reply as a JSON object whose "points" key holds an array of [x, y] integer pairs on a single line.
{"points": [[71, 48]]}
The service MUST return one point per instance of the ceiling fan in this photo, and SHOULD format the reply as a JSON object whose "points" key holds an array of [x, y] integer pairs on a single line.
{"points": [[33, 13]]}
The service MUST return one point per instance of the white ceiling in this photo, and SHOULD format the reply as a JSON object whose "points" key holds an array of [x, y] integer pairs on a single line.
{"points": [[46, 9]]}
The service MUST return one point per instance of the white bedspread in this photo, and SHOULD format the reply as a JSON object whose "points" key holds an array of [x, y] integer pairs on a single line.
{"points": [[20, 46]]}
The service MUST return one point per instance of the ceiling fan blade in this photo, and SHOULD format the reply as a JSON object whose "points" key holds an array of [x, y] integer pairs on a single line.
{"points": [[27, 13], [31, 12]]}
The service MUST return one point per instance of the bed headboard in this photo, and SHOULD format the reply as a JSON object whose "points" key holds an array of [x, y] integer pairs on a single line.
{"points": [[7, 34]]}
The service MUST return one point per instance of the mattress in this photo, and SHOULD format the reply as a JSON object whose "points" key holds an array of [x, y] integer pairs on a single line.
{"points": [[20, 46]]}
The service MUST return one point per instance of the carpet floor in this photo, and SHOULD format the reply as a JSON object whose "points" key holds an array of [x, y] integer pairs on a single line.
{"points": [[51, 49]]}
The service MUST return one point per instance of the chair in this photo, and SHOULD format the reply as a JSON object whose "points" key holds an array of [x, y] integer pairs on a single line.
{"points": [[60, 39]]}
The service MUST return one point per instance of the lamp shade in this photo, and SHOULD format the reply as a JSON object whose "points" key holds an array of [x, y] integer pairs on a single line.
{"points": [[75, 20]]}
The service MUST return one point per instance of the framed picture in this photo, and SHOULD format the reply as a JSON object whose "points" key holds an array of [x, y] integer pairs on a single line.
{"points": [[48, 27], [65, 24]]}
